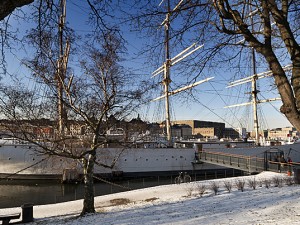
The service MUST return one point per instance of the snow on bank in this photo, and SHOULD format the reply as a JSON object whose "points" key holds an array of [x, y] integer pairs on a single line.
{"points": [[173, 204]]}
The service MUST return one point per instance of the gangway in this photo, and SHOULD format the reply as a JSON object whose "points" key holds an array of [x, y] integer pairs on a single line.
{"points": [[250, 164]]}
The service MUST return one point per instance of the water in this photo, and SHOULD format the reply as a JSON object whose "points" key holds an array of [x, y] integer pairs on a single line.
{"points": [[16, 193]]}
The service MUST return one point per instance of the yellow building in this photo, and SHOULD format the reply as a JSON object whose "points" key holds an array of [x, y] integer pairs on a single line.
{"points": [[204, 128]]}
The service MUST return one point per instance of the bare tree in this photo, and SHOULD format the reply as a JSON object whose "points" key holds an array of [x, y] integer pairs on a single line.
{"points": [[97, 96], [95, 90], [90, 98]]}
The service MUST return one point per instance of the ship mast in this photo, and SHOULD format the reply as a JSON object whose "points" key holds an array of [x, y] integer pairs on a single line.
{"points": [[166, 81], [254, 90], [165, 69], [253, 79], [254, 86], [61, 68], [254, 98]]}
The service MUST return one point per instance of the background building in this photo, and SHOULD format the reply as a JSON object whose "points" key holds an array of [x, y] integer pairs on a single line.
{"points": [[282, 133], [181, 131], [234, 133], [204, 128]]}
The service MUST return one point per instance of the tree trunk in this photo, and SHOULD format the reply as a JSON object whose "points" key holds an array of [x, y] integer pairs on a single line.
{"points": [[286, 91], [8, 6], [88, 202]]}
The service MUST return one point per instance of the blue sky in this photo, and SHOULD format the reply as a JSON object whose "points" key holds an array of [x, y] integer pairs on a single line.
{"points": [[208, 100]]}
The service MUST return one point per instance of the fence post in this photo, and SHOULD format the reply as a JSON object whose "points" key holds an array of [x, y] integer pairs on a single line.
{"points": [[249, 166], [27, 213]]}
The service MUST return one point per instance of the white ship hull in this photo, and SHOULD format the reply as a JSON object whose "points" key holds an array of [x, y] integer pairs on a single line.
{"points": [[20, 161]]}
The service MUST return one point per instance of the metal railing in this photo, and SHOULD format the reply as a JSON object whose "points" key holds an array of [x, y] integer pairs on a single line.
{"points": [[242, 162]]}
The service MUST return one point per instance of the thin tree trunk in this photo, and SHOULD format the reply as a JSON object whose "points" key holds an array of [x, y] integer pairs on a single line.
{"points": [[88, 202]]}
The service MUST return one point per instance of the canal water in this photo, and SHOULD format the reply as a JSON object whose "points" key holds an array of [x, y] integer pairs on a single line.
{"points": [[16, 193]]}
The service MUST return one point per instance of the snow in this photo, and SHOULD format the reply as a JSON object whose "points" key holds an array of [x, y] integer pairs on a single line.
{"points": [[182, 204]]}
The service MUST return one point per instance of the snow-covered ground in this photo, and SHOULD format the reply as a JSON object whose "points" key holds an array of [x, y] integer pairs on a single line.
{"points": [[182, 204]]}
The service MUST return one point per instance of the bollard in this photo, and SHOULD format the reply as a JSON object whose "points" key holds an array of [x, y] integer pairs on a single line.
{"points": [[297, 175], [27, 213]]}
